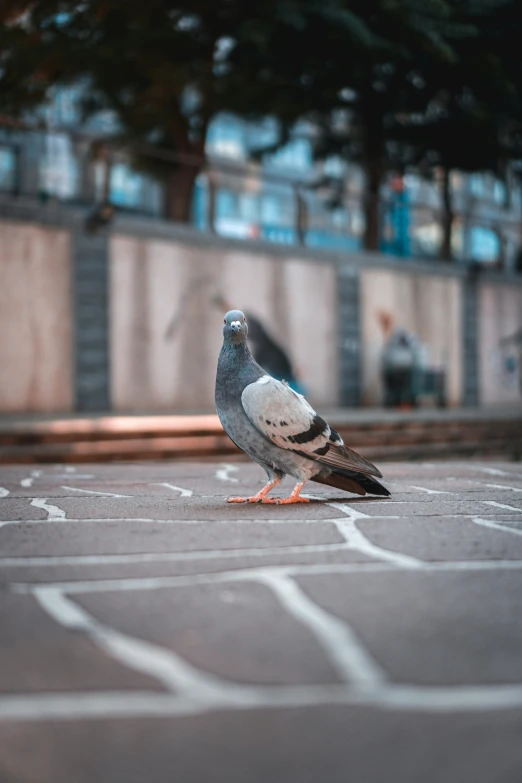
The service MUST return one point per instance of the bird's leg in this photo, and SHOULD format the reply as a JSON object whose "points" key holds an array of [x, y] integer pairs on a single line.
{"points": [[294, 497], [261, 495]]}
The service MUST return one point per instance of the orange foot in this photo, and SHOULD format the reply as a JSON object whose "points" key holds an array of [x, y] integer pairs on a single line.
{"points": [[287, 501], [294, 497], [291, 499], [253, 499], [261, 495]]}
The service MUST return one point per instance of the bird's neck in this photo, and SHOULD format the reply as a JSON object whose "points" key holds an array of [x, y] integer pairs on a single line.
{"points": [[238, 350], [236, 369], [235, 357]]}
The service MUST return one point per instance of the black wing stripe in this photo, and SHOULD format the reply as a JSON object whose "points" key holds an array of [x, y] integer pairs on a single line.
{"points": [[317, 427], [334, 436], [322, 450]]}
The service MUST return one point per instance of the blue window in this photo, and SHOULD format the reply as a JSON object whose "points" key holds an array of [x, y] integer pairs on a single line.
{"points": [[272, 209], [485, 244], [126, 186], [58, 166], [297, 154], [226, 138], [8, 168]]}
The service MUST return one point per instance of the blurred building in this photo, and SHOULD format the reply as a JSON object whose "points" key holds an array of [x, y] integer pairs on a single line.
{"points": [[280, 199]]}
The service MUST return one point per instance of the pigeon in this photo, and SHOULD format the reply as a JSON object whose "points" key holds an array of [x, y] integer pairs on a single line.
{"points": [[265, 350], [277, 428]]}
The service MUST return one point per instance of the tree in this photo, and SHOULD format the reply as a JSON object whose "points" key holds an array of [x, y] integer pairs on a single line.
{"points": [[156, 64], [472, 121], [458, 141], [359, 65], [167, 67], [357, 68]]}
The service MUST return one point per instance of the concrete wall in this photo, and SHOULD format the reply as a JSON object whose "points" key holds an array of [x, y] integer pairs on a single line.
{"points": [[500, 364], [36, 325], [425, 304], [84, 317], [154, 281]]}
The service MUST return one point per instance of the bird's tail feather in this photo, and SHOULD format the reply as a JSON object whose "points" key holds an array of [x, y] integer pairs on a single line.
{"points": [[357, 483]]}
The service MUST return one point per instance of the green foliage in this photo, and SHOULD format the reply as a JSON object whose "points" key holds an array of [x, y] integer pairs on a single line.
{"points": [[387, 83]]}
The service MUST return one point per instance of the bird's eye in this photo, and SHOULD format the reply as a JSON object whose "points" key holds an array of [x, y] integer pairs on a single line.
{"points": [[244, 319], [224, 320]]}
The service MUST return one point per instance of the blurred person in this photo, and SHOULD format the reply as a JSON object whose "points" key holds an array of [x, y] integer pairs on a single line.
{"points": [[516, 341], [401, 365]]}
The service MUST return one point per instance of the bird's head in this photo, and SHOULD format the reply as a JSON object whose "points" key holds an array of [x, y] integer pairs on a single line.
{"points": [[235, 327]]}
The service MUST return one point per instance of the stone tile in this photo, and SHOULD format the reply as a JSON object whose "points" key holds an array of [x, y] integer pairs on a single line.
{"points": [[129, 479], [444, 538], [19, 509], [431, 489], [435, 507], [38, 655], [69, 538], [432, 628], [202, 624], [331, 744], [73, 572], [89, 488], [210, 509]]}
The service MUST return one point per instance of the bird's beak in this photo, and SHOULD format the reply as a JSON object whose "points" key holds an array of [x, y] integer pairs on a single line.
{"points": [[235, 326]]}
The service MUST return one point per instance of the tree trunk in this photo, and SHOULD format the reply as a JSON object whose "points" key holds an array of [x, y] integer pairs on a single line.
{"points": [[211, 202], [372, 212], [301, 222], [445, 252], [179, 190]]}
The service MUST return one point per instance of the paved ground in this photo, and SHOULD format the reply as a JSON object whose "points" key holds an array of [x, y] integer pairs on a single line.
{"points": [[151, 633]]}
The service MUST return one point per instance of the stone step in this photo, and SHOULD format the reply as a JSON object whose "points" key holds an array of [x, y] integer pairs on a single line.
{"points": [[156, 437]]}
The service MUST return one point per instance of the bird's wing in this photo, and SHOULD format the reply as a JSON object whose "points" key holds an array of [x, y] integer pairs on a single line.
{"points": [[286, 419]]}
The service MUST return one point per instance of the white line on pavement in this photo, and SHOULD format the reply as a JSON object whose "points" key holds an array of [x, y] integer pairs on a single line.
{"points": [[53, 512], [184, 493], [504, 486], [93, 492], [140, 704], [68, 476], [222, 473], [497, 472], [150, 557], [431, 491], [355, 539], [342, 646], [500, 505], [495, 526], [129, 584], [28, 482], [164, 665]]}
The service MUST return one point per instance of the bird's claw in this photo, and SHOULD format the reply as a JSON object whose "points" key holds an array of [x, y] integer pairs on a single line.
{"points": [[253, 499], [285, 501], [256, 499]]}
